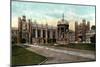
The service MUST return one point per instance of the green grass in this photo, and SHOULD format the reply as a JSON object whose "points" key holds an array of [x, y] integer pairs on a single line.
{"points": [[21, 56], [83, 46]]}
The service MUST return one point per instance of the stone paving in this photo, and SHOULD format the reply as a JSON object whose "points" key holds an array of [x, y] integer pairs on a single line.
{"points": [[61, 56]]}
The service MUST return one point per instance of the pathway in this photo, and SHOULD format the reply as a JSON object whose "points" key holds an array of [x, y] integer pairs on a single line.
{"points": [[61, 56]]}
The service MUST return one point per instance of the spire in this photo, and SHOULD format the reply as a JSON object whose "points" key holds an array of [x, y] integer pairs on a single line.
{"points": [[63, 17]]}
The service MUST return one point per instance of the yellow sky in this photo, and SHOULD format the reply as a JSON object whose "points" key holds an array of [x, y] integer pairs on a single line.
{"points": [[50, 22]]}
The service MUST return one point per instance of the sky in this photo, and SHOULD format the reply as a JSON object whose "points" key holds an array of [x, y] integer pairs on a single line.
{"points": [[51, 13]]}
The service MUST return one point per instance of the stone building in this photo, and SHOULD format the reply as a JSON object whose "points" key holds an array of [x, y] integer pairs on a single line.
{"points": [[62, 31], [35, 33], [81, 30], [14, 32], [31, 32], [71, 36], [90, 34]]}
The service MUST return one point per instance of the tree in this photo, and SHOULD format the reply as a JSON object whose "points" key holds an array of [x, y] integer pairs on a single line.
{"points": [[93, 39], [93, 27]]}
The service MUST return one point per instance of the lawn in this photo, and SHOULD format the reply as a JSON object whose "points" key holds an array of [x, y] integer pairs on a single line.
{"points": [[83, 46], [21, 56]]}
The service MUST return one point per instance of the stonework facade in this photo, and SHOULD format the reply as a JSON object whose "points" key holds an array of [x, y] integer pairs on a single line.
{"points": [[38, 33], [34, 33], [81, 30], [31, 32]]}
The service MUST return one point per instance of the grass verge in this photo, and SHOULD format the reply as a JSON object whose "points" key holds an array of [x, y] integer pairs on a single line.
{"points": [[83, 46], [21, 56]]}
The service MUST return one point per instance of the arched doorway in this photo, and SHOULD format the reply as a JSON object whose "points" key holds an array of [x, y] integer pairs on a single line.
{"points": [[23, 40], [80, 38]]}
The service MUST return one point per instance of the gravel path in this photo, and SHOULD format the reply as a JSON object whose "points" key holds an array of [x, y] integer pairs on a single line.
{"points": [[61, 56]]}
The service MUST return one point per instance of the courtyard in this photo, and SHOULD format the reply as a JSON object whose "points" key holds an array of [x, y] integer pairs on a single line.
{"points": [[51, 55]]}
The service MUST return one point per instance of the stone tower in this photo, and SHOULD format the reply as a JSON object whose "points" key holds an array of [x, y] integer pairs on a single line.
{"points": [[62, 30], [22, 30], [29, 30], [19, 35], [81, 29], [76, 30]]}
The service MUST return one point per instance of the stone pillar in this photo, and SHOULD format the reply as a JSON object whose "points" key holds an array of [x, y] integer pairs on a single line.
{"points": [[60, 34], [41, 35], [46, 35], [51, 34], [56, 34], [36, 34], [30, 31]]}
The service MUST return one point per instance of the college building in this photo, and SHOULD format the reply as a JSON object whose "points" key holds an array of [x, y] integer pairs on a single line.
{"points": [[32, 32]]}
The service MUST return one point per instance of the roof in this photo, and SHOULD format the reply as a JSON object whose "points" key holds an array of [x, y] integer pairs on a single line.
{"points": [[62, 21]]}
